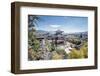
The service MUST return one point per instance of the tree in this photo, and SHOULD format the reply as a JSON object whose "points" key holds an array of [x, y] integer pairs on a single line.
{"points": [[52, 46], [33, 43], [32, 20]]}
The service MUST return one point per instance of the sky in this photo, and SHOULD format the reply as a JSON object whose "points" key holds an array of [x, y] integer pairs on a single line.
{"points": [[68, 24]]}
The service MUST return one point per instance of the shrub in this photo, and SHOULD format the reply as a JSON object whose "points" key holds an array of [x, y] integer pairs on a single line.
{"points": [[31, 54], [62, 53], [82, 53], [55, 55]]}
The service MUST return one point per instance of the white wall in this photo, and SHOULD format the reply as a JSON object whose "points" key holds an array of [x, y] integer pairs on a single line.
{"points": [[5, 42]]}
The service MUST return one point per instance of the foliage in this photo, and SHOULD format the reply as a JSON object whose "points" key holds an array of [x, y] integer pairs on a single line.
{"points": [[82, 53], [62, 52], [32, 54], [75, 41], [32, 20], [48, 45], [56, 56], [33, 42], [59, 54], [53, 47]]}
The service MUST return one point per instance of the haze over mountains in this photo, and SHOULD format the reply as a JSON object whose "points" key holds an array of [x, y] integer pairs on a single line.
{"points": [[53, 32]]}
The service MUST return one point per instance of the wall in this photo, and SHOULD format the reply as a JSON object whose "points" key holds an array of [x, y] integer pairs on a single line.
{"points": [[5, 42]]}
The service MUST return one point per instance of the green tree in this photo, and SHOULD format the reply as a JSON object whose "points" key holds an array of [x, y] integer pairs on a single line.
{"points": [[33, 43]]}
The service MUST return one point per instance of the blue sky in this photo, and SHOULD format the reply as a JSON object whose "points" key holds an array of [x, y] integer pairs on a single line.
{"points": [[68, 24]]}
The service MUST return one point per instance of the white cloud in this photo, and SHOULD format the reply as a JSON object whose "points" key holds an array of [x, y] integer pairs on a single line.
{"points": [[55, 26]]}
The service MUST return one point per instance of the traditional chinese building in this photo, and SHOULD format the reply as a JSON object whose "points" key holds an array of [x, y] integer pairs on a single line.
{"points": [[57, 38]]}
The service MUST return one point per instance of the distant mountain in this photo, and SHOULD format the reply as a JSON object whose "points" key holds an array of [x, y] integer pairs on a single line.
{"points": [[85, 32], [41, 31], [82, 35], [45, 32]]}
